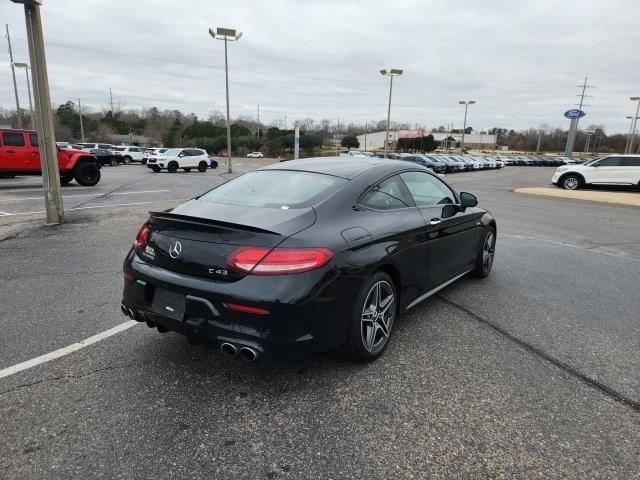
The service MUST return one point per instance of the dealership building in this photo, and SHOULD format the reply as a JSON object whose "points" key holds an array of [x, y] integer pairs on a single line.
{"points": [[375, 140]]}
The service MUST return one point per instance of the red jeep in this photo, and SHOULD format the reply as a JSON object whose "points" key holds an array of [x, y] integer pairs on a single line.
{"points": [[20, 155]]}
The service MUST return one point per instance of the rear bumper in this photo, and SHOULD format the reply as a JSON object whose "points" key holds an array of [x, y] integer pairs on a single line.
{"points": [[308, 312]]}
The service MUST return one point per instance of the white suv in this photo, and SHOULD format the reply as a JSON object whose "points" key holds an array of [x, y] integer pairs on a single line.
{"points": [[184, 158], [609, 170], [130, 154], [255, 155]]}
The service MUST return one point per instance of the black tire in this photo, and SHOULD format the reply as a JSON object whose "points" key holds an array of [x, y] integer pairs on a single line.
{"points": [[155, 168], [187, 169], [66, 178], [484, 260], [172, 167], [360, 346], [127, 160], [202, 166], [571, 182], [87, 174], [113, 162]]}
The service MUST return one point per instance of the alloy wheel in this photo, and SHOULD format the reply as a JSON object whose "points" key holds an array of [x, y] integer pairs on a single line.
{"points": [[570, 183], [377, 316]]}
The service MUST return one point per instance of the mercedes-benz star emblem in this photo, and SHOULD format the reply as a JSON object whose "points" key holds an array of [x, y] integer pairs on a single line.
{"points": [[175, 250]]}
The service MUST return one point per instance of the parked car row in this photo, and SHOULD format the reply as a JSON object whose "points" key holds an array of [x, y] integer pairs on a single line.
{"points": [[126, 154], [461, 163]]}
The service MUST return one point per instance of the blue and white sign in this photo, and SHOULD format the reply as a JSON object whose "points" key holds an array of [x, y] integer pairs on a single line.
{"points": [[574, 113]]}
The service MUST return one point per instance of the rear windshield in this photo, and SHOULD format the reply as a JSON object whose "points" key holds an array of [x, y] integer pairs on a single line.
{"points": [[276, 189], [118, 149]]}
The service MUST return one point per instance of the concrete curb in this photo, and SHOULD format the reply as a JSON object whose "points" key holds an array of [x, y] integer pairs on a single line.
{"points": [[619, 198]]}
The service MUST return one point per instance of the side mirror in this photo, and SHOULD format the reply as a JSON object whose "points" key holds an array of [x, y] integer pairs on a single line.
{"points": [[468, 200]]}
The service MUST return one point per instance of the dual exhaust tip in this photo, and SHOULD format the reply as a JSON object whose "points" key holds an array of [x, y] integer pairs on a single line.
{"points": [[246, 353], [129, 312], [229, 349]]}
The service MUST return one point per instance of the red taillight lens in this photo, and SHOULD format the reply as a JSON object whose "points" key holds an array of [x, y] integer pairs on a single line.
{"points": [[142, 238], [279, 261]]}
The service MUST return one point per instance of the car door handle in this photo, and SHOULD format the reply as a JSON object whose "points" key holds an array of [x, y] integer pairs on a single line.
{"points": [[435, 221], [10, 151]]}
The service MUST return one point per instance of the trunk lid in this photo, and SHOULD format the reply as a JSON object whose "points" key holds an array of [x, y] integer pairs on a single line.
{"points": [[197, 237]]}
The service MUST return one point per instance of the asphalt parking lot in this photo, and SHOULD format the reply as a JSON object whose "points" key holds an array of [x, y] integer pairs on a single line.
{"points": [[533, 372]]}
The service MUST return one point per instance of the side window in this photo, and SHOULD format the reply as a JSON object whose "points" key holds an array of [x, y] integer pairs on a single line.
{"points": [[33, 140], [631, 161], [427, 190], [134, 149], [13, 139], [103, 146], [388, 195], [610, 162]]}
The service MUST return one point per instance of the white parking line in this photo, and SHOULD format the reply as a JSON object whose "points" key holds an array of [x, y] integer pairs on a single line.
{"points": [[100, 206], [4, 213], [47, 357], [16, 199]]}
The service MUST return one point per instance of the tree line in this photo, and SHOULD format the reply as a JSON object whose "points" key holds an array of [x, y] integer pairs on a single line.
{"points": [[172, 128]]}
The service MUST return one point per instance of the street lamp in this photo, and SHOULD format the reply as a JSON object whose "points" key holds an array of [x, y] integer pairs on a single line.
{"points": [[466, 104], [26, 70], [231, 35], [392, 72], [629, 148]]}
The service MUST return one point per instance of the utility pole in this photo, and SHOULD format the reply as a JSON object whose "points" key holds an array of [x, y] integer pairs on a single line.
{"points": [[44, 116], [80, 115], [573, 128], [338, 138], [466, 104], [111, 101], [258, 121], [365, 136], [587, 141], [13, 73], [26, 70], [285, 122], [539, 140], [629, 149]]}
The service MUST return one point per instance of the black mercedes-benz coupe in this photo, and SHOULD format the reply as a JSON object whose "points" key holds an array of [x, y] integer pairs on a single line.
{"points": [[306, 255]]}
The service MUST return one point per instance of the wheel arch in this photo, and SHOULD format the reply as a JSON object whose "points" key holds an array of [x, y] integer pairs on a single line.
{"points": [[577, 174], [79, 158], [394, 273]]}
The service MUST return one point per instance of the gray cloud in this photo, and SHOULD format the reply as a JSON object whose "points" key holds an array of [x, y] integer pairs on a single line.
{"points": [[521, 61]]}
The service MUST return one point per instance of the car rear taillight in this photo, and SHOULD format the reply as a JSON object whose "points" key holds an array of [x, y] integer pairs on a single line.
{"points": [[142, 238], [278, 261]]}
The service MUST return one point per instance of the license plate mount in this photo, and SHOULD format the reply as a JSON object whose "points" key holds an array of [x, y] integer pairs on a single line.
{"points": [[168, 303]]}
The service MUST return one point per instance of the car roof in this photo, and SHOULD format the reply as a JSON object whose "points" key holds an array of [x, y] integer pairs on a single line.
{"points": [[346, 167]]}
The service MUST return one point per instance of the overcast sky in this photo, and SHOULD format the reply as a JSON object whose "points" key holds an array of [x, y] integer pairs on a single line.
{"points": [[521, 61]]}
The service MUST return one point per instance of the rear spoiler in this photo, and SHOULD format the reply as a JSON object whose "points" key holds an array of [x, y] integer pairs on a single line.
{"points": [[174, 217]]}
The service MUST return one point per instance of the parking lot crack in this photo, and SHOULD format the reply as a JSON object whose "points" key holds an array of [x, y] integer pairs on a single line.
{"points": [[581, 376], [67, 376]]}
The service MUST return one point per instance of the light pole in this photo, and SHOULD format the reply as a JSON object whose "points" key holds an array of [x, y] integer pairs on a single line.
{"points": [[13, 73], [629, 149], [466, 104], [44, 116], [81, 126], [26, 70], [392, 72], [226, 34]]}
